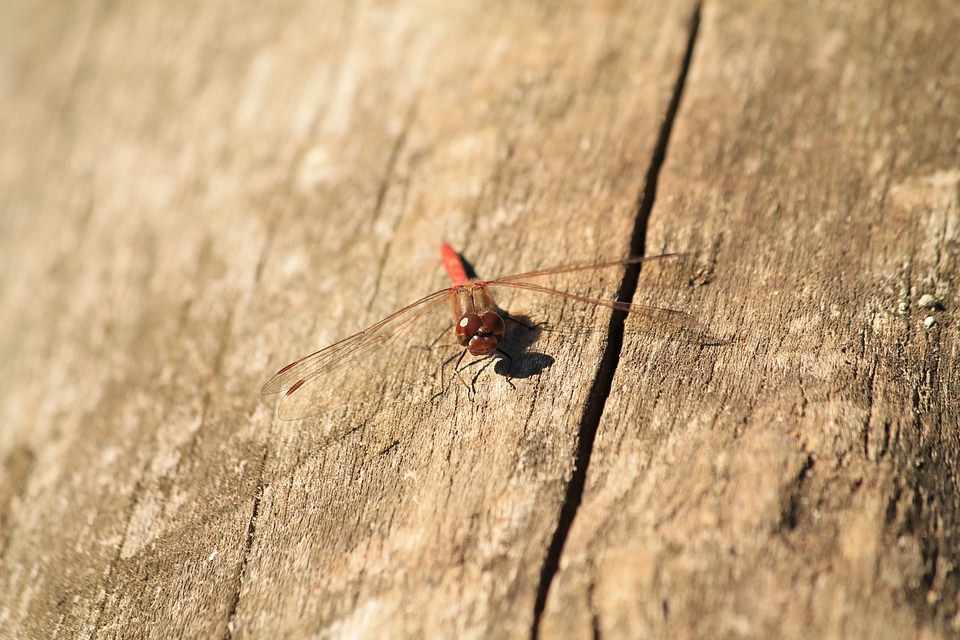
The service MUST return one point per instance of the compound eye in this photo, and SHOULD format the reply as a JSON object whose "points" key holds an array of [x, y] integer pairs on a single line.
{"points": [[469, 325], [494, 324], [483, 345]]}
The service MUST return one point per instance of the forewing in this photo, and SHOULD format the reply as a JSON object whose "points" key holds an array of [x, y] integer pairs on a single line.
{"points": [[598, 267], [335, 374], [609, 276]]}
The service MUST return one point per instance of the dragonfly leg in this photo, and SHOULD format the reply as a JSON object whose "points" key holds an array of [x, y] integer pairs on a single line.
{"points": [[509, 359], [471, 386], [443, 365], [522, 323]]}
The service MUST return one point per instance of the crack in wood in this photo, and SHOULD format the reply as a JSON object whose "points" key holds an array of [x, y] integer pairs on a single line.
{"points": [[593, 412], [248, 546]]}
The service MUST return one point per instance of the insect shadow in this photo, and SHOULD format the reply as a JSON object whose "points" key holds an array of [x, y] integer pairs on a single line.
{"points": [[519, 361]]}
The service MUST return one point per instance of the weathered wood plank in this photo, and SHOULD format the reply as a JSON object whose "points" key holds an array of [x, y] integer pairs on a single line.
{"points": [[201, 194], [802, 481]]}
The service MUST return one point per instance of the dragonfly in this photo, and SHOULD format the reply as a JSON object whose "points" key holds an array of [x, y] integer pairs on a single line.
{"points": [[313, 382]]}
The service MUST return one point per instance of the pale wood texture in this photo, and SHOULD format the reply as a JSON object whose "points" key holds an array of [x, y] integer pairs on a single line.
{"points": [[194, 196], [802, 482]]}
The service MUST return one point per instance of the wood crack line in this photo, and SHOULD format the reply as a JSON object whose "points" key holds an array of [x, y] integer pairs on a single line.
{"points": [[594, 409], [248, 546]]}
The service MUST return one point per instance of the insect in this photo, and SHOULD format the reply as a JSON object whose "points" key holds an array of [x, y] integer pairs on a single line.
{"points": [[310, 382]]}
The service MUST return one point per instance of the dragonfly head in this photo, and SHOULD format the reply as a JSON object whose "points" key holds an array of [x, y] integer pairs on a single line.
{"points": [[480, 334]]}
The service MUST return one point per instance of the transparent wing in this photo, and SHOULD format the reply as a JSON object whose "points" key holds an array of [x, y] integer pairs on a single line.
{"points": [[672, 317], [311, 382], [692, 327], [585, 267]]}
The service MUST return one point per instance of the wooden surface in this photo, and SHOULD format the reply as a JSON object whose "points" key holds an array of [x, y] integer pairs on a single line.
{"points": [[193, 197]]}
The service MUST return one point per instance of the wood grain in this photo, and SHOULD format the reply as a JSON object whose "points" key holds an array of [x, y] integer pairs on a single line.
{"points": [[194, 196], [801, 482]]}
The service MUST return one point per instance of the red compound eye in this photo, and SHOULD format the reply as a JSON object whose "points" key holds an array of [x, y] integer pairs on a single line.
{"points": [[494, 324], [480, 334], [483, 345], [468, 327]]}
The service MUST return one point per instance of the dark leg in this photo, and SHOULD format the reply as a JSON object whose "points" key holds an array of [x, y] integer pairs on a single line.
{"points": [[525, 325], [443, 365], [509, 365]]}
